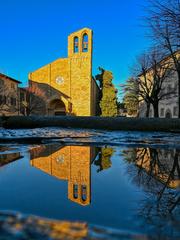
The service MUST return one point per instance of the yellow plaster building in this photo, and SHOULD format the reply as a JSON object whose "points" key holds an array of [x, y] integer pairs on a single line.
{"points": [[168, 105], [67, 83]]}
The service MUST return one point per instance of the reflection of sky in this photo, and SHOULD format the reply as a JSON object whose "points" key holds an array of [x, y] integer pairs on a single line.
{"points": [[34, 33], [115, 197]]}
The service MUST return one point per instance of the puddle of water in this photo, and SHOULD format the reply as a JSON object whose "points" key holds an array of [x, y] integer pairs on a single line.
{"points": [[127, 188]]}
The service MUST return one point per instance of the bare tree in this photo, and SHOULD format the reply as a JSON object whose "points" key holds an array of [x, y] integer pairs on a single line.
{"points": [[164, 22], [153, 73], [34, 101]]}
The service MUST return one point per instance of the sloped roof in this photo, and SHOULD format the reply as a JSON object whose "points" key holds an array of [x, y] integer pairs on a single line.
{"points": [[166, 58], [3, 76]]}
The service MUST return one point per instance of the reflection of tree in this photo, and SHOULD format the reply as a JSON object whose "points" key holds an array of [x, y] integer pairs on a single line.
{"points": [[104, 158], [158, 173]]}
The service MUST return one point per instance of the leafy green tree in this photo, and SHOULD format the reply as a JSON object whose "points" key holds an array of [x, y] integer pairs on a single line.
{"points": [[130, 99], [108, 102]]}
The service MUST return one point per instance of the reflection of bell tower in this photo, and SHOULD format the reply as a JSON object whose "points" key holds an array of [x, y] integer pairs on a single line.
{"points": [[80, 59], [70, 163], [79, 184]]}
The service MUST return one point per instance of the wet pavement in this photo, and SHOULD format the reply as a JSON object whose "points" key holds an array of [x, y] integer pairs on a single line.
{"points": [[112, 184]]}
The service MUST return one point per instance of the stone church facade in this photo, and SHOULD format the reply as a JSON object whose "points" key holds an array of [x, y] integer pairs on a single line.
{"points": [[66, 85]]}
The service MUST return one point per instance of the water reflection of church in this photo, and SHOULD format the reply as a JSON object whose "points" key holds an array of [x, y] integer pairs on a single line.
{"points": [[71, 163]]}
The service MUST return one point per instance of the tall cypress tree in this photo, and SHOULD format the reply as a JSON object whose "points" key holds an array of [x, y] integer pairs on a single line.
{"points": [[108, 102]]}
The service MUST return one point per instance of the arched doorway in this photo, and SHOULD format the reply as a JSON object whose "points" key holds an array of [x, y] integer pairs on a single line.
{"points": [[168, 114], [57, 108]]}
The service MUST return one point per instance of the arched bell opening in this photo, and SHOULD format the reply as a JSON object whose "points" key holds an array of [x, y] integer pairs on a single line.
{"points": [[76, 45], [85, 43]]}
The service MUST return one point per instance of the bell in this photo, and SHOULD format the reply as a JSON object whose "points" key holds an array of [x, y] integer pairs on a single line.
{"points": [[85, 45]]}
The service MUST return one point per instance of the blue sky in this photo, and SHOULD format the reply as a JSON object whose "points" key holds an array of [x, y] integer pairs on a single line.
{"points": [[34, 33]]}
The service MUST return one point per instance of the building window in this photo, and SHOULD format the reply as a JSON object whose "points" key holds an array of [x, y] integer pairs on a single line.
{"points": [[168, 114], [175, 111], [75, 191], [59, 80], [76, 45], [85, 43], [12, 85], [60, 159], [162, 112], [83, 193], [11, 100]]}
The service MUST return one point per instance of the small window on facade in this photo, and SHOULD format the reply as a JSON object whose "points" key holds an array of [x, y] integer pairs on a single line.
{"points": [[75, 191], [13, 85], [12, 100], [175, 111], [162, 112], [168, 114], [85, 43], [76, 45], [84, 193]]}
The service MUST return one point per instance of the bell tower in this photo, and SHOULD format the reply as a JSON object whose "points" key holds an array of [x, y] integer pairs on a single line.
{"points": [[80, 63], [80, 43]]}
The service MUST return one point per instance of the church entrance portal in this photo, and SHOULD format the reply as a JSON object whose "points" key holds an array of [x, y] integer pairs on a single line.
{"points": [[57, 108]]}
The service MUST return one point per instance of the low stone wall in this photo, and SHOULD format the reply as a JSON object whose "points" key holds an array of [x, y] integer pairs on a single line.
{"points": [[105, 123]]}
